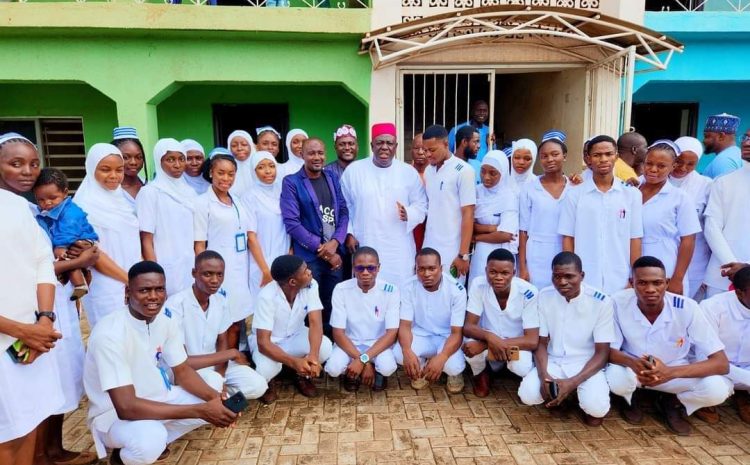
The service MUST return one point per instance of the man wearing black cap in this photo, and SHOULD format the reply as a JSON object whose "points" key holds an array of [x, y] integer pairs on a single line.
{"points": [[280, 336]]}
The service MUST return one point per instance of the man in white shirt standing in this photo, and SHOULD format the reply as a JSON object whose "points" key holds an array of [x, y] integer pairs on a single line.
{"points": [[364, 318], [602, 221], [134, 408], [433, 307], [502, 321], [726, 224], [575, 332], [654, 333], [451, 195], [280, 336], [386, 201], [204, 317], [729, 314]]}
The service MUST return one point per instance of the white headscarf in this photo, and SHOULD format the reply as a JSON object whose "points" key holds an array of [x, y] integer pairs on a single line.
{"points": [[529, 145], [197, 183], [289, 136], [244, 179], [687, 144], [105, 208], [177, 188], [501, 196], [265, 196]]}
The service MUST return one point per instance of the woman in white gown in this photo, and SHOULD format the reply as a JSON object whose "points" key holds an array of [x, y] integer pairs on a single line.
{"points": [[241, 146]]}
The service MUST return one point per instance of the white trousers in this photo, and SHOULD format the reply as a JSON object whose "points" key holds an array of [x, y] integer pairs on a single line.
{"points": [[520, 367], [426, 347], [593, 394], [693, 393], [237, 378], [384, 363], [740, 377], [142, 441], [297, 345]]}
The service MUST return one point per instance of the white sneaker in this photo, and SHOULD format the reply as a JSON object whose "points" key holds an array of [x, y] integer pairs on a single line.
{"points": [[420, 383], [455, 384]]}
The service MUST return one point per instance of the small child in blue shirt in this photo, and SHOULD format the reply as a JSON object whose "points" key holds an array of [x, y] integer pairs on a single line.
{"points": [[64, 222]]}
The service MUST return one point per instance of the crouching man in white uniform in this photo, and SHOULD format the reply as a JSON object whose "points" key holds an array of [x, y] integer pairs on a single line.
{"points": [[729, 313], [280, 336], [502, 313], [364, 318], [133, 407], [204, 317], [433, 307], [654, 332], [575, 331]]}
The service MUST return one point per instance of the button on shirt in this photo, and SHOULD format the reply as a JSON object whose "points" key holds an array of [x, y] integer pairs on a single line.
{"points": [[123, 351], [520, 310], [200, 328], [603, 223], [274, 314], [731, 321], [433, 313], [575, 327], [365, 316], [680, 326], [448, 189]]}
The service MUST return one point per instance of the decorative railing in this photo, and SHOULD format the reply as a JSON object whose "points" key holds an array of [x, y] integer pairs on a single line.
{"points": [[417, 9], [738, 6], [252, 3]]}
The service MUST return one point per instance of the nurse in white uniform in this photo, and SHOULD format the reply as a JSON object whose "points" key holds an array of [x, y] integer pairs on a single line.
{"points": [[26, 287], [113, 218], [221, 224], [267, 238], [685, 177], [670, 221], [195, 155], [523, 157], [165, 216], [294, 140], [496, 212], [241, 146], [540, 203]]}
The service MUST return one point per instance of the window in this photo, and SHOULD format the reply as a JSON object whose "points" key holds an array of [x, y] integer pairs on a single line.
{"points": [[665, 120]]}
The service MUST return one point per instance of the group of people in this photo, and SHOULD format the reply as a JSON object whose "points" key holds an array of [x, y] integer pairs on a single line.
{"points": [[579, 284]]}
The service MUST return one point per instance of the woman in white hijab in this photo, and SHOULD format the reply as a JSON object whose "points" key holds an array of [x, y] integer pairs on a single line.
{"points": [[522, 159], [165, 216], [241, 146], [268, 238], [697, 186], [194, 158], [496, 212], [294, 140], [113, 218]]}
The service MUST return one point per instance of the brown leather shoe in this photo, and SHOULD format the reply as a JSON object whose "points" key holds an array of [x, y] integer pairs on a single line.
{"points": [[632, 413], [305, 386], [269, 397], [708, 414], [481, 384], [592, 421], [674, 414], [742, 399], [349, 384]]}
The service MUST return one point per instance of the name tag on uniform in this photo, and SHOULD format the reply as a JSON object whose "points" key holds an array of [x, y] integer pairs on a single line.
{"points": [[240, 242]]}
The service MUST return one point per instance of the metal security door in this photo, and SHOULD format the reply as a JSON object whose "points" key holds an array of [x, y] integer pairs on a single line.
{"points": [[439, 96], [610, 94]]}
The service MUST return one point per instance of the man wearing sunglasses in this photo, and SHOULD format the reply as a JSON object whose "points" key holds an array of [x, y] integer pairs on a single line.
{"points": [[364, 319]]}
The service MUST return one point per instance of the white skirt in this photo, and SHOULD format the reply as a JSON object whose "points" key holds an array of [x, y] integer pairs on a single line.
{"points": [[28, 395], [68, 352]]}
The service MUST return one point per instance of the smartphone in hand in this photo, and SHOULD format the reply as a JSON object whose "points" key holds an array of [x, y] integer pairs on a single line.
{"points": [[18, 352], [553, 390], [237, 403], [514, 354]]}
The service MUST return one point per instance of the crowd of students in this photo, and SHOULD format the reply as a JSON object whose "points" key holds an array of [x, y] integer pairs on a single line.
{"points": [[585, 284]]}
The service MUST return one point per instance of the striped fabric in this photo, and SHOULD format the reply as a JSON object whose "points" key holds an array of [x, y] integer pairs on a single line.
{"points": [[554, 134], [124, 132]]}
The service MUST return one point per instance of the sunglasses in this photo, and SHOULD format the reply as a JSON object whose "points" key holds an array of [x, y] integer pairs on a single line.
{"points": [[368, 268]]}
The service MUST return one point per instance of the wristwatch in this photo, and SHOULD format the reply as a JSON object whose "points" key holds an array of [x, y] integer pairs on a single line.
{"points": [[364, 358], [50, 315], [465, 257]]}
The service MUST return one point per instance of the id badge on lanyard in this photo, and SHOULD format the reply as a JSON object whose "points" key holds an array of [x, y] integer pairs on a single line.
{"points": [[240, 242]]}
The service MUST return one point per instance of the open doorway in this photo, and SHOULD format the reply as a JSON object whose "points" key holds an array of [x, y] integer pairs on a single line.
{"points": [[229, 117]]}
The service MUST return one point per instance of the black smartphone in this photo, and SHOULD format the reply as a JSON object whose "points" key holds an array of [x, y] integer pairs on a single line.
{"points": [[553, 391], [651, 361], [237, 403], [18, 352]]}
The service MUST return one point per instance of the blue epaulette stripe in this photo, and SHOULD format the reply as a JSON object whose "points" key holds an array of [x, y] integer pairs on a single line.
{"points": [[678, 302], [459, 167], [167, 312]]}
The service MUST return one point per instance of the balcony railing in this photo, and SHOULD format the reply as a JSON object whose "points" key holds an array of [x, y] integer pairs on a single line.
{"points": [[738, 6], [252, 3]]}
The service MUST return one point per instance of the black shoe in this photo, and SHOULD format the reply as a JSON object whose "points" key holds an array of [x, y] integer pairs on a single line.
{"points": [[381, 382], [674, 414], [632, 413], [349, 384], [115, 459]]}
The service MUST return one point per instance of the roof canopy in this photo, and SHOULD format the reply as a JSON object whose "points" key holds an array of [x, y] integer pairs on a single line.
{"points": [[586, 35]]}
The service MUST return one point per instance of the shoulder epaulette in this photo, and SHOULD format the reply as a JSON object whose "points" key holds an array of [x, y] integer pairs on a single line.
{"points": [[678, 302], [460, 286], [388, 287], [222, 292], [167, 312], [528, 294], [459, 167], [599, 296]]}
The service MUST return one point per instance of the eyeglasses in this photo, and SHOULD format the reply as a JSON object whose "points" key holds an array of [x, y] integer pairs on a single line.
{"points": [[363, 268]]}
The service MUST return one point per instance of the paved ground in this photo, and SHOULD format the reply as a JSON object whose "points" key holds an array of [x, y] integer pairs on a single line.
{"points": [[404, 426]]}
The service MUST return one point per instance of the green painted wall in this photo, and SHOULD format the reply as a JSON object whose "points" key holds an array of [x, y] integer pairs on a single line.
{"points": [[61, 100], [318, 109]]}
